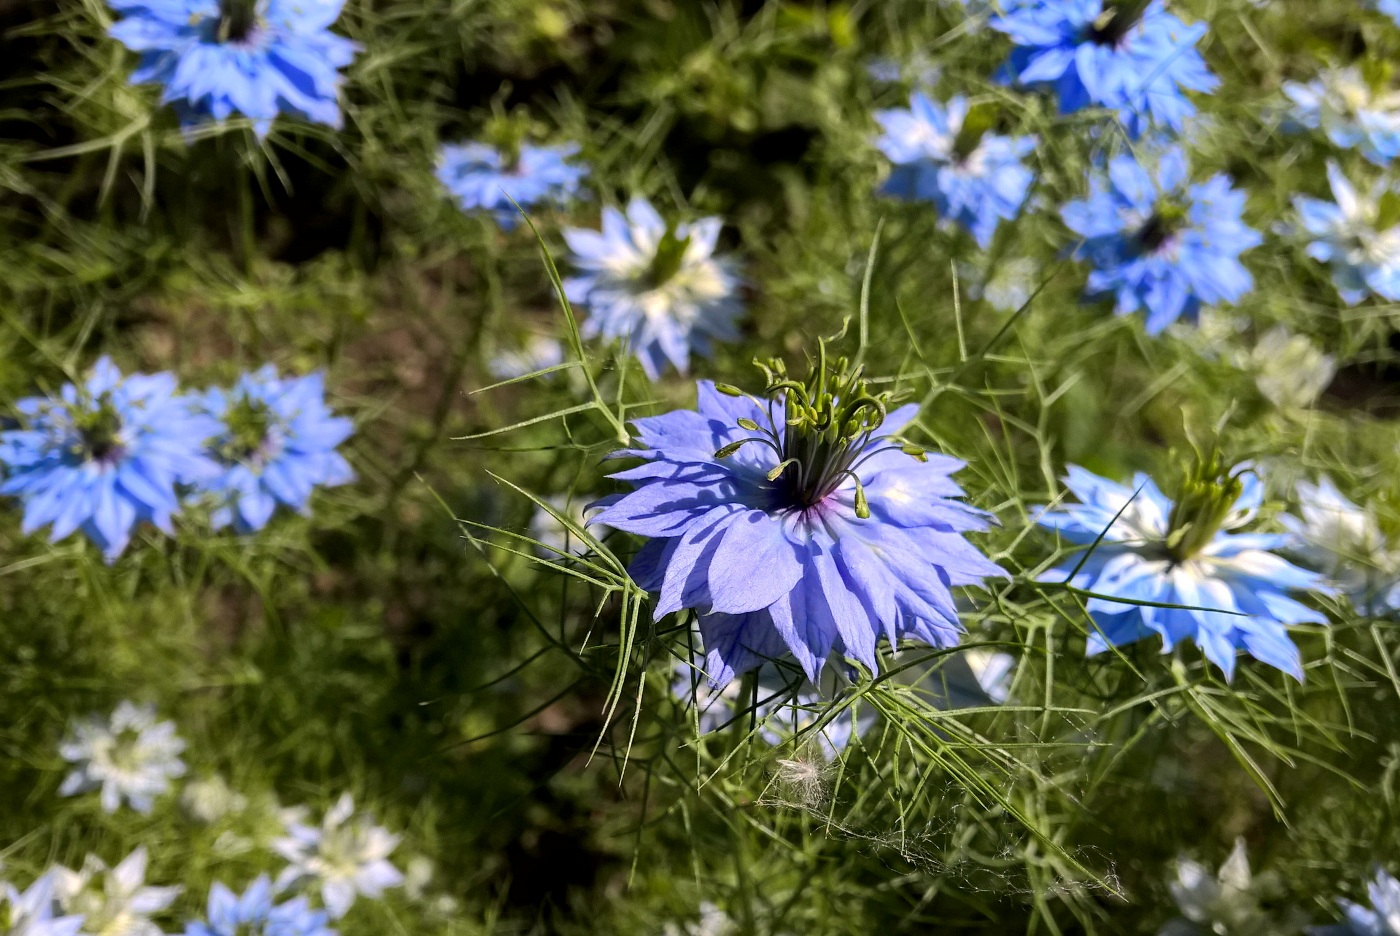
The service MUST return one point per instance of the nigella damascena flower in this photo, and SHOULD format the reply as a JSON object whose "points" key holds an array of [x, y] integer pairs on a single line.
{"points": [[537, 353], [1364, 261], [1344, 540], [277, 445], [345, 856], [800, 523], [1143, 547], [1130, 56], [1382, 918], [105, 456], [113, 901], [657, 286], [254, 914], [1289, 370], [1342, 104], [483, 178], [973, 178], [1160, 244], [258, 58], [1224, 902], [31, 912], [129, 756]]}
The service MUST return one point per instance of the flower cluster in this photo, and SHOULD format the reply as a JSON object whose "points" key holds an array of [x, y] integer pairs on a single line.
{"points": [[258, 58], [118, 451], [1160, 244], [973, 178]]}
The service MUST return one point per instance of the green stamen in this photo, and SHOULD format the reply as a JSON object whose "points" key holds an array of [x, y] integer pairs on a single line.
{"points": [[248, 422], [670, 254], [1207, 496], [100, 431]]}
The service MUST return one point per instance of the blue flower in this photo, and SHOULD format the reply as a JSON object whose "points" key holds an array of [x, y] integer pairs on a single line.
{"points": [[105, 457], [254, 914], [657, 286], [974, 182], [1390, 8], [1342, 104], [1344, 540], [482, 178], [258, 58], [1382, 920], [1364, 261], [1232, 586], [31, 912], [801, 524], [1131, 57], [1159, 244], [277, 445]]}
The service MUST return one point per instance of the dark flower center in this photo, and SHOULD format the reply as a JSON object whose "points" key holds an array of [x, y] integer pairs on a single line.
{"points": [[829, 421], [1207, 496], [100, 432], [236, 19], [249, 424], [1118, 18], [1166, 222], [670, 254]]}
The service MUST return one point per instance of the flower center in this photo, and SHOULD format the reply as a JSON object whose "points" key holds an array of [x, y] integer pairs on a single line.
{"points": [[670, 256], [828, 424], [99, 432], [1118, 18], [249, 424], [979, 120], [1166, 221], [1208, 495], [237, 18]]}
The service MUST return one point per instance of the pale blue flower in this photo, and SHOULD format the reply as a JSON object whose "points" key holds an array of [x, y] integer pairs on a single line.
{"points": [[536, 354], [277, 444], [783, 536], [31, 912], [254, 914], [258, 58], [976, 184], [1131, 58], [129, 756], [483, 178], [105, 456], [1159, 244], [1382, 918], [115, 900], [1364, 260], [1390, 8], [1342, 104], [657, 286], [1143, 547], [1344, 541], [344, 859]]}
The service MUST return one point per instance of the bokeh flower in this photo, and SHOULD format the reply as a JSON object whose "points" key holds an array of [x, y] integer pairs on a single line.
{"points": [[1342, 104], [657, 286], [1289, 370], [277, 444], [113, 901], [798, 524], [344, 857], [258, 58], [1157, 243], [1344, 541], [1382, 918], [1364, 260], [1224, 902], [105, 456], [483, 178], [1132, 57], [1136, 545], [31, 912], [973, 178], [253, 913], [129, 756], [537, 353]]}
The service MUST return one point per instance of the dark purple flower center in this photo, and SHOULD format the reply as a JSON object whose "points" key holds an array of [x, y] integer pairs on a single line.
{"points": [[1165, 222], [100, 432], [1112, 26], [237, 18], [829, 425]]}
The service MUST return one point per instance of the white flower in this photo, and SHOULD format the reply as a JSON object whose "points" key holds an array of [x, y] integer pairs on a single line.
{"points": [[345, 859], [210, 799], [130, 756], [31, 913], [1344, 541], [1289, 369], [713, 922], [536, 354], [114, 901], [1363, 259], [1219, 903], [1341, 103]]}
